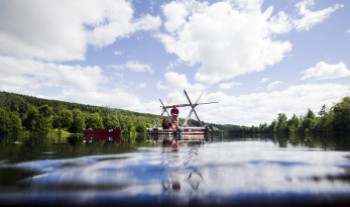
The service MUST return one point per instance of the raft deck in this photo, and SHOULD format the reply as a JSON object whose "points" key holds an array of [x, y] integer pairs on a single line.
{"points": [[184, 134]]}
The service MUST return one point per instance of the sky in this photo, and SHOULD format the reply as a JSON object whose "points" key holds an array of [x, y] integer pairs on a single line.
{"points": [[256, 58]]}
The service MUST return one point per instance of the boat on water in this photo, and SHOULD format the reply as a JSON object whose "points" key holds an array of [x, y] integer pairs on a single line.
{"points": [[112, 135], [184, 133]]}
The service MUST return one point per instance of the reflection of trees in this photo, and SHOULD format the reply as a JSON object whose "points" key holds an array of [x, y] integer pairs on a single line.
{"points": [[324, 141], [281, 140], [22, 148]]}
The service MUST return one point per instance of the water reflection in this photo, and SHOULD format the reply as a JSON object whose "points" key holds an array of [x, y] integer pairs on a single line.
{"points": [[331, 141], [287, 170], [324, 141], [182, 170]]}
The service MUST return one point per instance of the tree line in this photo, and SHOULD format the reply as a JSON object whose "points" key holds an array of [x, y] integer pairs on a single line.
{"points": [[20, 113], [335, 119]]}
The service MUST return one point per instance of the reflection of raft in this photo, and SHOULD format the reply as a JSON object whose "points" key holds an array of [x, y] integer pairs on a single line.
{"points": [[183, 133], [186, 134], [103, 135]]}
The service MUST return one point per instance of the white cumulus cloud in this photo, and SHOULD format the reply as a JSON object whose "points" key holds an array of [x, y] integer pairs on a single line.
{"points": [[231, 38], [264, 80], [178, 82], [226, 41], [325, 71], [256, 108], [273, 84], [59, 30], [229, 85], [80, 84], [19, 75], [135, 66], [309, 18]]}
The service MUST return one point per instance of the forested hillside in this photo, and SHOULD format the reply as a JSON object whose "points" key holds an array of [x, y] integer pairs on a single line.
{"points": [[20, 113], [25, 113]]}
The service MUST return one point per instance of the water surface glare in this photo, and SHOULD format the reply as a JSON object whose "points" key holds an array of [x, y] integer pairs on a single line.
{"points": [[237, 172]]}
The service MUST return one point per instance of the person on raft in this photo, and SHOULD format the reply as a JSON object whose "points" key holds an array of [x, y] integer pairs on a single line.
{"points": [[166, 124]]}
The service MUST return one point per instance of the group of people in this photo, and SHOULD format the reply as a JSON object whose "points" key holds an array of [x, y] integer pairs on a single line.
{"points": [[173, 124]]}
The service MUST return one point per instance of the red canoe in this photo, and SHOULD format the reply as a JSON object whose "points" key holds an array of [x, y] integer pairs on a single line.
{"points": [[103, 134]]}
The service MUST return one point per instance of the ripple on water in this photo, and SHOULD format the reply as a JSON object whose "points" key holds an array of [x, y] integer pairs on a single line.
{"points": [[219, 171]]}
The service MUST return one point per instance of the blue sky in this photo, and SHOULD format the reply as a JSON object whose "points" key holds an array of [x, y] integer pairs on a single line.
{"points": [[257, 58]]}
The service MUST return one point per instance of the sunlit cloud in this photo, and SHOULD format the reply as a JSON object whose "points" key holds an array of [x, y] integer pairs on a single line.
{"points": [[257, 108], [310, 18], [273, 84], [134, 66], [203, 33], [179, 82], [39, 75], [118, 52], [64, 33], [325, 71], [264, 80], [229, 85]]}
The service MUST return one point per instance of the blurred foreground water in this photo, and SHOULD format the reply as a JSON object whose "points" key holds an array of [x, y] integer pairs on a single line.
{"points": [[231, 172]]}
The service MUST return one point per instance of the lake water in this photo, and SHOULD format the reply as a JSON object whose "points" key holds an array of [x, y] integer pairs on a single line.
{"points": [[249, 171]]}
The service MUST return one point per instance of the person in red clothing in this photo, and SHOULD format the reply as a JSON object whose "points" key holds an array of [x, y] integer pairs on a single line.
{"points": [[166, 124], [174, 117], [174, 113]]}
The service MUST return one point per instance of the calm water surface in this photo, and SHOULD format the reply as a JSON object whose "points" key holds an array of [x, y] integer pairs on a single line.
{"points": [[236, 172]]}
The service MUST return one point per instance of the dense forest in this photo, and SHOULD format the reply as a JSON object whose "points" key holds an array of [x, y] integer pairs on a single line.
{"points": [[20, 113], [334, 120]]}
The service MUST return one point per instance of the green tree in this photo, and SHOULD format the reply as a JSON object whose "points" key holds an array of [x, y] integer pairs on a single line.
{"points": [[45, 111], [263, 127], [324, 123], [282, 122], [93, 121], [18, 105], [293, 124], [9, 122], [64, 119], [15, 123], [111, 121], [78, 123], [141, 127], [38, 120], [309, 122], [31, 118], [273, 126], [341, 115], [128, 127], [44, 120], [323, 111], [141, 124]]}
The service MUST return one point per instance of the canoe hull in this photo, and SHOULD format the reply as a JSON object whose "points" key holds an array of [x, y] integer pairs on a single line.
{"points": [[103, 135]]}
